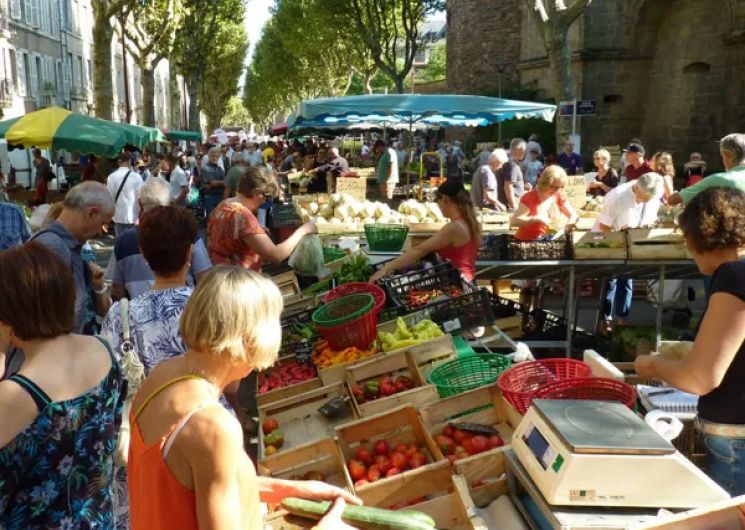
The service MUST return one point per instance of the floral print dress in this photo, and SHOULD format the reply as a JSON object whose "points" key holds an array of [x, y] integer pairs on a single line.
{"points": [[57, 473]]}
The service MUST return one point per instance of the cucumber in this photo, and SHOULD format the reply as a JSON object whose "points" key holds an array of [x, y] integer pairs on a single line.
{"points": [[363, 517], [420, 516]]}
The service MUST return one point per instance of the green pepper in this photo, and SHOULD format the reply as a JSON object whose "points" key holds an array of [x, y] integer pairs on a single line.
{"points": [[372, 390]]}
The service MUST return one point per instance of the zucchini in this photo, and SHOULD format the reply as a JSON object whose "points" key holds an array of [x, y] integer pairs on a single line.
{"points": [[363, 517], [420, 516]]}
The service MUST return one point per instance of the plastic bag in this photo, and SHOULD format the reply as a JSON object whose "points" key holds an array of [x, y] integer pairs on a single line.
{"points": [[307, 258]]}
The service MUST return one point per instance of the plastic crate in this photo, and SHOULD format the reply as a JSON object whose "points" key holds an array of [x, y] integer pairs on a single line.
{"points": [[493, 247], [332, 254], [519, 383], [542, 325], [540, 250], [441, 276], [504, 307], [386, 237], [467, 373], [348, 321], [355, 288], [599, 388]]}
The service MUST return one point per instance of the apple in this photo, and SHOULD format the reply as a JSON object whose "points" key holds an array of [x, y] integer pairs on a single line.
{"points": [[364, 456], [381, 447], [357, 470]]}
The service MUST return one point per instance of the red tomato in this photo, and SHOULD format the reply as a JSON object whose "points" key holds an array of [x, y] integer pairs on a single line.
{"points": [[381, 447], [480, 443], [412, 450], [361, 482], [383, 464], [373, 473], [417, 460], [477, 483], [357, 470], [449, 430], [495, 441], [452, 458], [399, 460], [445, 443], [392, 472], [364, 456], [269, 425], [460, 436], [401, 448], [468, 446]]}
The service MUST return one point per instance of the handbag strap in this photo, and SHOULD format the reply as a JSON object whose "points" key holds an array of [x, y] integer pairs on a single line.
{"points": [[131, 364], [121, 187], [124, 308]]}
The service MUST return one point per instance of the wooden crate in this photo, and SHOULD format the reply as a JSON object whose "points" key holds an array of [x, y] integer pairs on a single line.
{"points": [[299, 419], [288, 286], [656, 243], [455, 511], [725, 515], [399, 425], [340, 228], [425, 228], [483, 472], [393, 365], [322, 456], [337, 373], [426, 354], [585, 248], [285, 392]]}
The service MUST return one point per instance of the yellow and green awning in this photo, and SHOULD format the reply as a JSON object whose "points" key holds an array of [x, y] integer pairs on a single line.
{"points": [[58, 128]]}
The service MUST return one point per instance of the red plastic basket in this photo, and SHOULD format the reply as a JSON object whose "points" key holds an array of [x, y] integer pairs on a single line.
{"points": [[519, 383], [358, 287], [600, 388], [358, 332]]}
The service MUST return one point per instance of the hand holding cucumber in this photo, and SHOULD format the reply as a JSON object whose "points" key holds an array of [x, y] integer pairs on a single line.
{"points": [[332, 520]]}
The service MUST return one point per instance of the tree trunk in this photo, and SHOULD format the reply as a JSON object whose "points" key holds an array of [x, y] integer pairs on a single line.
{"points": [[147, 81], [367, 82], [192, 88], [560, 60], [174, 96], [399, 80], [103, 92]]}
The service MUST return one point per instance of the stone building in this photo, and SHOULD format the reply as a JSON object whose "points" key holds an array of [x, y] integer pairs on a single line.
{"points": [[671, 72], [46, 54]]}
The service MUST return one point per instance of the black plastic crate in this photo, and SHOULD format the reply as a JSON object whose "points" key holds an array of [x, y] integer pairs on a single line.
{"points": [[582, 341], [539, 250], [505, 308], [453, 315], [541, 325], [493, 247], [441, 276]]}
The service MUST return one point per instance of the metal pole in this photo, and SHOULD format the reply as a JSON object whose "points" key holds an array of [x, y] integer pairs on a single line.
{"points": [[660, 301], [574, 117], [499, 81], [569, 314]]}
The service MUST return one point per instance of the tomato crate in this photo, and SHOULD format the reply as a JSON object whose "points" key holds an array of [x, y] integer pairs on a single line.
{"points": [[441, 277], [444, 497], [407, 386], [320, 456], [400, 425], [299, 419], [484, 471], [278, 394], [337, 373]]}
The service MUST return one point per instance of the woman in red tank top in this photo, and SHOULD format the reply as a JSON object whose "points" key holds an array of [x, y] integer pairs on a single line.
{"points": [[458, 241]]}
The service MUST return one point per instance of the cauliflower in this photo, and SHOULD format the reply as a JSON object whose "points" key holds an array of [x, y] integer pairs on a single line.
{"points": [[342, 212], [319, 220], [369, 209], [382, 210], [335, 221], [313, 208], [412, 219], [327, 211], [434, 211]]}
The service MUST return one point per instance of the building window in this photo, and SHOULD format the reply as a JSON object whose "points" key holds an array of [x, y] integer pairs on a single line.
{"points": [[81, 75], [13, 69], [27, 70]]}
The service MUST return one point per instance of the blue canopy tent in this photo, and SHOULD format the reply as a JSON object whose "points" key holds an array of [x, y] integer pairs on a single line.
{"points": [[447, 110]]}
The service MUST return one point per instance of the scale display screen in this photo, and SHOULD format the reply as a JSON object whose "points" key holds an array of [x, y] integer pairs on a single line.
{"points": [[539, 446]]}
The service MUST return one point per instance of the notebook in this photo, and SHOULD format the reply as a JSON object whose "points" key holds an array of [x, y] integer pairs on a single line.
{"points": [[681, 404]]}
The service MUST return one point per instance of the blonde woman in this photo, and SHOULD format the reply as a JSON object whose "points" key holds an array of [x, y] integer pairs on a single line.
{"points": [[662, 163], [606, 178], [187, 466], [542, 208]]}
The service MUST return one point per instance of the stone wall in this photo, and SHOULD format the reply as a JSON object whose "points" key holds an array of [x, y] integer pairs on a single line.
{"points": [[671, 72]]}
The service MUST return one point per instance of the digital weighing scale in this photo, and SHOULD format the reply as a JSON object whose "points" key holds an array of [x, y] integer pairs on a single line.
{"points": [[599, 453]]}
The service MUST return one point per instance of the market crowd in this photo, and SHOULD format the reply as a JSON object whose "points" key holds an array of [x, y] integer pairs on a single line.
{"points": [[134, 422]]}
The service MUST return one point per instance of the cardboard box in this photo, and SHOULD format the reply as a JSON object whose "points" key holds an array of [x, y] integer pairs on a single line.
{"points": [[299, 419], [400, 363]]}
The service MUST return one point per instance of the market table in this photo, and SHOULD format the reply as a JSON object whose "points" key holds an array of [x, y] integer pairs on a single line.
{"points": [[577, 270]]}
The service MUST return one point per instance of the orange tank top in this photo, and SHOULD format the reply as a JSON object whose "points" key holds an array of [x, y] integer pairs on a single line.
{"points": [[157, 501]]}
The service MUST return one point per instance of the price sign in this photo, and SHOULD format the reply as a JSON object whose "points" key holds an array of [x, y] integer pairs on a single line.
{"points": [[354, 186], [303, 352], [576, 191]]}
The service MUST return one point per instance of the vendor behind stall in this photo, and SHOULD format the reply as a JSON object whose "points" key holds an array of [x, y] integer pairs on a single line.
{"points": [[457, 241], [633, 204], [542, 211], [713, 225], [234, 235], [336, 166]]}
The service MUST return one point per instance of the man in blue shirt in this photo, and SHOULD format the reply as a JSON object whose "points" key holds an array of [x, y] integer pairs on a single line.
{"points": [[570, 160], [14, 229]]}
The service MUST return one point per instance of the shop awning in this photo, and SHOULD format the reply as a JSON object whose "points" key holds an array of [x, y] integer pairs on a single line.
{"points": [[189, 136]]}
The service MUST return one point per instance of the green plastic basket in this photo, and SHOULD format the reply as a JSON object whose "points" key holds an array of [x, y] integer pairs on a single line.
{"points": [[386, 237], [343, 310], [467, 373], [332, 254]]}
